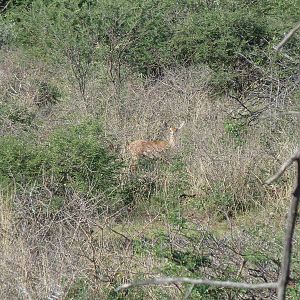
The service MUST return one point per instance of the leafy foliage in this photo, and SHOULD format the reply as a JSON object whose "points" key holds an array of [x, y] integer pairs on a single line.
{"points": [[20, 162], [150, 36], [17, 115], [75, 157], [79, 158]]}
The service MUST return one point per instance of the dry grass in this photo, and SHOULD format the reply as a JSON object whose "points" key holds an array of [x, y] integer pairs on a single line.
{"points": [[75, 252]]}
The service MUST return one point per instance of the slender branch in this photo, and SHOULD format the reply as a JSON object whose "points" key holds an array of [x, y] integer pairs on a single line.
{"points": [[283, 168], [290, 227], [225, 284], [5, 6], [288, 239], [287, 37], [241, 103], [188, 292]]}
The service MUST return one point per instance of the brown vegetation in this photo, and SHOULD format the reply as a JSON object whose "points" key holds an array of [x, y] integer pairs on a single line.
{"points": [[233, 225]]}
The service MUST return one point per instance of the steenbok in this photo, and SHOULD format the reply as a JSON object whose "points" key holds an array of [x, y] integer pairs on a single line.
{"points": [[152, 149]]}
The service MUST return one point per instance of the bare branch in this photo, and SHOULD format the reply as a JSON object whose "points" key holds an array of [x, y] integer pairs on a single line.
{"points": [[188, 292], [5, 6], [225, 284], [283, 168], [288, 239], [287, 37], [290, 227]]}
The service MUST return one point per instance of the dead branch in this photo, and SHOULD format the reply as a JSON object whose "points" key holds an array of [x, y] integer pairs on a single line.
{"points": [[225, 284], [290, 227], [287, 37], [294, 157]]}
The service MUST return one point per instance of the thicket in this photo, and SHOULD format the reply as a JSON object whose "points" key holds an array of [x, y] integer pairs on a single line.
{"points": [[149, 37], [75, 158], [75, 222]]}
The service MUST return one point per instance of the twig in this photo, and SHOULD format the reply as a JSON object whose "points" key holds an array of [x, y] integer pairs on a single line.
{"points": [[293, 158], [5, 6], [225, 284], [241, 103], [243, 263], [188, 292], [287, 37]]}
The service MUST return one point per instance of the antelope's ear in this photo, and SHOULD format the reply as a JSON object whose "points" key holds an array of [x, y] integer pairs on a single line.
{"points": [[181, 125]]}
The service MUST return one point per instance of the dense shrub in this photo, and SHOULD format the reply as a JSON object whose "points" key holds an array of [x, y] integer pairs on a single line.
{"points": [[150, 36], [20, 161], [216, 36], [75, 157], [78, 157], [18, 115]]}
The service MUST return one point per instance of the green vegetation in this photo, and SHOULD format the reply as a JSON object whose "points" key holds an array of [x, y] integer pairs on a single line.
{"points": [[149, 37], [81, 79], [72, 157]]}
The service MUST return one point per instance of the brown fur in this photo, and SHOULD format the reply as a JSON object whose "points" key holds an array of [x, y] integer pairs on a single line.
{"points": [[151, 149], [147, 148]]}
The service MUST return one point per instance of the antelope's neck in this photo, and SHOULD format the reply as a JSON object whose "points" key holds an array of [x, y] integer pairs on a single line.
{"points": [[172, 140]]}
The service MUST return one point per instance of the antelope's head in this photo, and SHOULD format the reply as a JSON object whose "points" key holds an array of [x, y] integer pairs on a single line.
{"points": [[175, 129]]}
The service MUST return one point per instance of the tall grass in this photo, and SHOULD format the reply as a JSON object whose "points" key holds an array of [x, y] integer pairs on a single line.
{"points": [[199, 212]]}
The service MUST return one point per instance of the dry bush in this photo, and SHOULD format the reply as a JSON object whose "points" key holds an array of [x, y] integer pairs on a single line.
{"points": [[20, 78], [67, 252], [36, 96], [71, 249], [222, 153]]}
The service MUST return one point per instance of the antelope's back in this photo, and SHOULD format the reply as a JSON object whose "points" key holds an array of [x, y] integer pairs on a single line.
{"points": [[147, 148]]}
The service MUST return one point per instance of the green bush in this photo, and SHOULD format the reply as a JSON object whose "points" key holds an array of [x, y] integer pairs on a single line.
{"points": [[74, 157], [216, 36], [20, 162], [18, 115], [149, 28], [150, 36], [78, 157]]}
